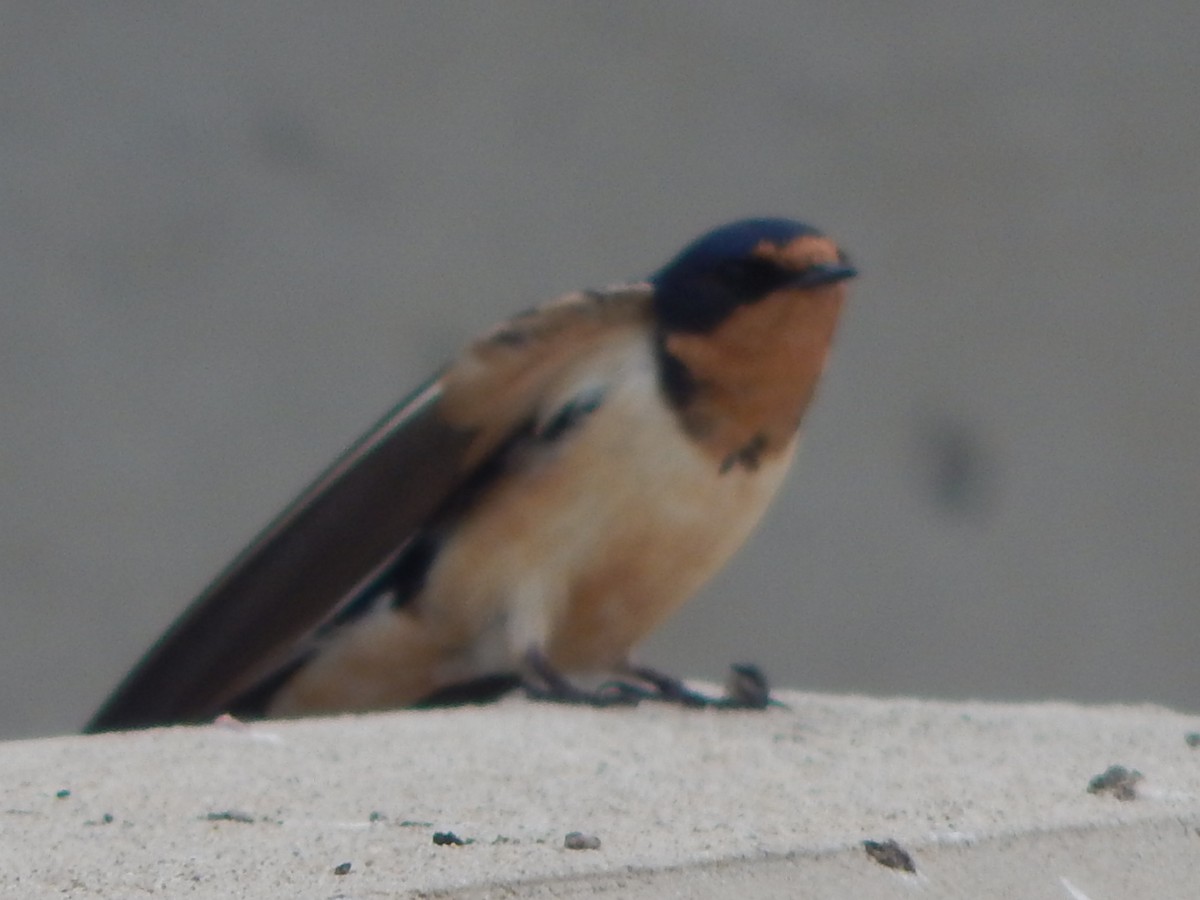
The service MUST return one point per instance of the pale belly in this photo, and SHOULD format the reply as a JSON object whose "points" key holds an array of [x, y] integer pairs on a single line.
{"points": [[580, 552], [589, 548]]}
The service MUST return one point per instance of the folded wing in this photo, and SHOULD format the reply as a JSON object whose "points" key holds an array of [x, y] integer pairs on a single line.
{"points": [[342, 534]]}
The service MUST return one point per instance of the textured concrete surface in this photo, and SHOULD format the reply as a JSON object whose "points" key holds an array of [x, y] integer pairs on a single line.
{"points": [[234, 233], [987, 800]]}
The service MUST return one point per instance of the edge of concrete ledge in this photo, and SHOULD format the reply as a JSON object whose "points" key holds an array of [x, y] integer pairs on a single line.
{"points": [[987, 799]]}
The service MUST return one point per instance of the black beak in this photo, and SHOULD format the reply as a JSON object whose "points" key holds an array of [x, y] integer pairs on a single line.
{"points": [[824, 273]]}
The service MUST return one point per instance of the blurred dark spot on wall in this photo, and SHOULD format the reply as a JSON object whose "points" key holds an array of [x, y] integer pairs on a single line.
{"points": [[956, 466]]}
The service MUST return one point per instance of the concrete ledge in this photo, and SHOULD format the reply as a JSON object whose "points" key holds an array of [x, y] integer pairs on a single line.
{"points": [[990, 800]]}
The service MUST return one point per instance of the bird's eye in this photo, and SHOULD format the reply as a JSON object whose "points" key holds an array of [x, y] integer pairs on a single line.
{"points": [[749, 273]]}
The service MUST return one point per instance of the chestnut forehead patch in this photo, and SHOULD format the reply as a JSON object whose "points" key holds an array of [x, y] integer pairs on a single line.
{"points": [[798, 253]]}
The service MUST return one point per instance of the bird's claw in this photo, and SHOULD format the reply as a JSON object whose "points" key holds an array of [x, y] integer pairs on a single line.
{"points": [[745, 688]]}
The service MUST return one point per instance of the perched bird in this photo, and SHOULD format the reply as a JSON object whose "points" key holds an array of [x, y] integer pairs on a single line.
{"points": [[532, 512]]}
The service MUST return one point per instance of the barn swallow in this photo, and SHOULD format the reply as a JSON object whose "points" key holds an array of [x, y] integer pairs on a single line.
{"points": [[531, 513]]}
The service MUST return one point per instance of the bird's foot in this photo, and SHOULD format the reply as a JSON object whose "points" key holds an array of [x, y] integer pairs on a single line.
{"points": [[541, 681], [746, 688], [669, 689]]}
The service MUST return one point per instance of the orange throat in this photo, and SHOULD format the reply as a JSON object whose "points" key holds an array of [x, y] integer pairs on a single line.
{"points": [[753, 377]]}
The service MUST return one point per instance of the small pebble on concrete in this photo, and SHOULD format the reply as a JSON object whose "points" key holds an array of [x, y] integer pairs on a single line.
{"points": [[577, 840]]}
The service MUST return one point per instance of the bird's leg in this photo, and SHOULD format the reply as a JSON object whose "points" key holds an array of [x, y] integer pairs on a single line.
{"points": [[542, 681]]}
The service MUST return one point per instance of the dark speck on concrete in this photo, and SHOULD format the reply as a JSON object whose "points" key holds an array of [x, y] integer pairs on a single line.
{"points": [[889, 853], [577, 840], [1118, 781], [229, 815]]}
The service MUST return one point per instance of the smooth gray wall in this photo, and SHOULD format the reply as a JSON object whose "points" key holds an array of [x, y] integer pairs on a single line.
{"points": [[234, 233]]}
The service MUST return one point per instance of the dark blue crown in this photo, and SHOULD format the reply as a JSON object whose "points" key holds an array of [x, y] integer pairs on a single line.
{"points": [[719, 271], [733, 241]]}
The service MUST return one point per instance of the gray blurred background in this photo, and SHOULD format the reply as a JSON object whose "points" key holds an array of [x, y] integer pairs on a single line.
{"points": [[233, 234]]}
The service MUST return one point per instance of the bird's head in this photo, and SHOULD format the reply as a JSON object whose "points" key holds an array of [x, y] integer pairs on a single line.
{"points": [[740, 264]]}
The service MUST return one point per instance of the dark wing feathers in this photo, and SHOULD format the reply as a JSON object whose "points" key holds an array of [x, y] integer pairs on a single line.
{"points": [[343, 530], [356, 520]]}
